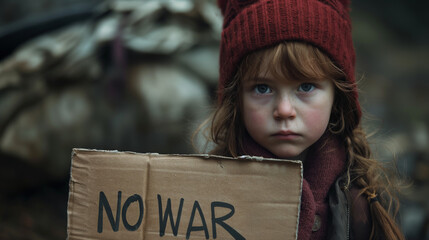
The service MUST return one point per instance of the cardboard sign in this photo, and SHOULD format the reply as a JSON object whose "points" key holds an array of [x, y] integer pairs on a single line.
{"points": [[122, 195]]}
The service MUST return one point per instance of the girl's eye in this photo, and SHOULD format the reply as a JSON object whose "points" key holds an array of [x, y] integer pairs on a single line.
{"points": [[262, 89], [306, 87]]}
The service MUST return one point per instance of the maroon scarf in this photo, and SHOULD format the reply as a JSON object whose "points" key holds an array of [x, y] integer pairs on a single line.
{"points": [[324, 163]]}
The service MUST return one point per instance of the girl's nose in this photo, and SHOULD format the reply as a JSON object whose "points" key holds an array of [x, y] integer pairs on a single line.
{"points": [[284, 109]]}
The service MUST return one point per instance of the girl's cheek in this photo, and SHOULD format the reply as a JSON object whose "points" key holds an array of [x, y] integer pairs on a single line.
{"points": [[318, 119], [257, 111], [257, 117]]}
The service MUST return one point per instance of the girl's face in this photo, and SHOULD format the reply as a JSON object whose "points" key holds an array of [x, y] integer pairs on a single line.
{"points": [[286, 116]]}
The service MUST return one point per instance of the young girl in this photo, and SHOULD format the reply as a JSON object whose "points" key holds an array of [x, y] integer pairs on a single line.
{"points": [[287, 90]]}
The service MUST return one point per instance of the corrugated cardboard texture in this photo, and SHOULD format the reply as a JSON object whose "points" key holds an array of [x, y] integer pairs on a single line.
{"points": [[115, 195]]}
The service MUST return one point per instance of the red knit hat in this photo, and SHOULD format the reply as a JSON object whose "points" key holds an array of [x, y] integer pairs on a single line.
{"points": [[250, 25]]}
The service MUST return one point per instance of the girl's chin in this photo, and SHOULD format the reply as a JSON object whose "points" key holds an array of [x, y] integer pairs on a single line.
{"points": [[291, 155]]}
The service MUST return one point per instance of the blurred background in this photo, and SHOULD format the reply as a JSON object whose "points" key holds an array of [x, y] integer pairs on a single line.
{"points": [[141, 75]]}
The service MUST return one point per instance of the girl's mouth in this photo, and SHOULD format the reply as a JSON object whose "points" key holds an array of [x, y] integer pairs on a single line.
{"points": [[286, 135]]}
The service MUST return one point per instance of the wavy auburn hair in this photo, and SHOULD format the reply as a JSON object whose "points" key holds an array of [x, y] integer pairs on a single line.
{"points": [[301, 61]]}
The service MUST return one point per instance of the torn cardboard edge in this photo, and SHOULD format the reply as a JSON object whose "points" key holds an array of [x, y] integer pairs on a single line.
{"points": [[116, 195]]}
